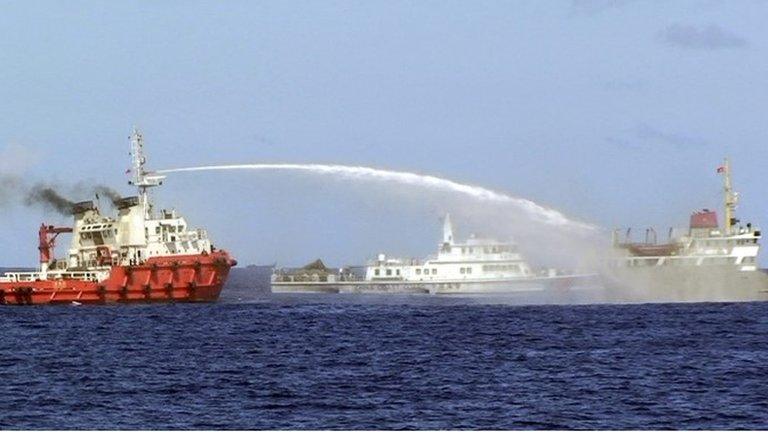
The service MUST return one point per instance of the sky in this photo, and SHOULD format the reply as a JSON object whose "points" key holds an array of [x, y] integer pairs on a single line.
{"points": [[616, 113]]}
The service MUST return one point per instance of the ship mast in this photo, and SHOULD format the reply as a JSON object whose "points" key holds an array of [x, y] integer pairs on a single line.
{"points": [[447, 230], [142, 179], [730, 197]]}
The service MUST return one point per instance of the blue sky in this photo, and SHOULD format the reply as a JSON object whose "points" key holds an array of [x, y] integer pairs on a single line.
{"points": [[615, 112]]}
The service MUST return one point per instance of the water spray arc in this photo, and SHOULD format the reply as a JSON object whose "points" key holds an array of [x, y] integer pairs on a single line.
{"points": [[547, 215]]}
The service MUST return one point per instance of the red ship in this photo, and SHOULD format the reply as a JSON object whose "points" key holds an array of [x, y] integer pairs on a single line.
{"points": [[137, 256]]}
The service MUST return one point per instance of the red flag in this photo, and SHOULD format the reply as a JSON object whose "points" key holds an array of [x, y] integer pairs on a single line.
{"points": [[127, 171], [721, 169]]}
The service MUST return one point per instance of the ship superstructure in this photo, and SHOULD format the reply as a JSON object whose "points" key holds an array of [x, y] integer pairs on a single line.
{"points": [[474, 259], [705, 243], [139, 254]]}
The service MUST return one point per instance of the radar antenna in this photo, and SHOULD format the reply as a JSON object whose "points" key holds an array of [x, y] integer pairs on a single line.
{"points": [[142, 178]]}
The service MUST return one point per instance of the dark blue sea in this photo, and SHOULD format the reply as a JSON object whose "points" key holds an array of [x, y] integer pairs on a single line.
{"points": [[296, 362]]}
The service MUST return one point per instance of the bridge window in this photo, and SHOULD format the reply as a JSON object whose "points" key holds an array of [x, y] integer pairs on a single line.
{"points": [[376, 272], [434, 271], [418, 271], [389, 272]]}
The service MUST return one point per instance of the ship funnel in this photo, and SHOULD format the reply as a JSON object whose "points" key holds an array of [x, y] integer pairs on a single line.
{"points": [[702, 223], [127, 202], [82, 207], [706, 219]]}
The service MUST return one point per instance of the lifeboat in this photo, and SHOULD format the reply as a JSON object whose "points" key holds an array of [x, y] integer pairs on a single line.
{"points": [[646, 250]]}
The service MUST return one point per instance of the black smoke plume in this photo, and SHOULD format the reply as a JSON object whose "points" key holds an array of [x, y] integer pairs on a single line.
{"points": [[107, 191], [14, 190], [47, 196]]}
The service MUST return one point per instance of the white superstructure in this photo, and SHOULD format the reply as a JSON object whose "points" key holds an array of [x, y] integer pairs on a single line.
{"points": [[473, 259], [138, 232]]}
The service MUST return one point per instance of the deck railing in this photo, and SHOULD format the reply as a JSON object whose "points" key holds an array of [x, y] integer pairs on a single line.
{"points": [[34, 276]]}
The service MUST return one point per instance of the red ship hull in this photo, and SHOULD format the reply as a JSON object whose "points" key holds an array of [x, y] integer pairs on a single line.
{"points": [[180, 278]]}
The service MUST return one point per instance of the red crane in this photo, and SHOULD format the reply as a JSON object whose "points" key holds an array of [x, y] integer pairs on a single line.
{"points": [[48, 234]]}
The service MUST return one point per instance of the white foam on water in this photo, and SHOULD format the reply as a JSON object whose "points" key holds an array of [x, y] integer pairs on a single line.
{"points": [[535, 211]]}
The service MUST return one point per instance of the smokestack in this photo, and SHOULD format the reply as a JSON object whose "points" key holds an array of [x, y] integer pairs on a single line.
{"points": [[127, 202], [82, 207]]}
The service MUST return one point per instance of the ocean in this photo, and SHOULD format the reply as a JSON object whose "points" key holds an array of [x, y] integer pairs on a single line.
{"points": [[260, 361]]}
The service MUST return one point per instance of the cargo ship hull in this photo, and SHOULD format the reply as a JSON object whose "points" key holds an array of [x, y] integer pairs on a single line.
{"points": [[181, 278], [685, 284]]}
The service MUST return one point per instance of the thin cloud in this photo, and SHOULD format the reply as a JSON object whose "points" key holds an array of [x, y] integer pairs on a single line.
{"points": [[644, 136], [591, 7], [651, 134], [709, 37]]}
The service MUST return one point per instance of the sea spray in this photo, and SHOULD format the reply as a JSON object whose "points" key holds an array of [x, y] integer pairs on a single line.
{"points": [[547, 215]]}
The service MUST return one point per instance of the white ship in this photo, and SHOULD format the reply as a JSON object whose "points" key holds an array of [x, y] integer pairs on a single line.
{"points": [[475, 266], [706, 262]]}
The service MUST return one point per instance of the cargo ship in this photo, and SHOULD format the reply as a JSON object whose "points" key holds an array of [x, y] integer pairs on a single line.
{"points": [[708, 261], [475, 266], [140, 255]]}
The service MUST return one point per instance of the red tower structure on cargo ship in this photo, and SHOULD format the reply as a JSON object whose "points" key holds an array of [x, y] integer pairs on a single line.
{"points": [[138, 255]]}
